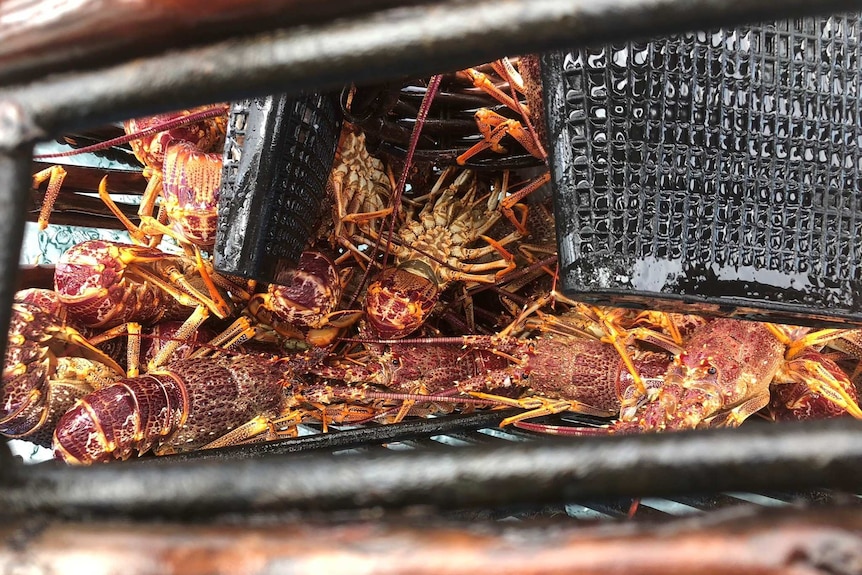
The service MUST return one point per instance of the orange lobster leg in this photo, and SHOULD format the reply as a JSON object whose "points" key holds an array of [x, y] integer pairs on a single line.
{"points": [[493, 128], [55, 176]]}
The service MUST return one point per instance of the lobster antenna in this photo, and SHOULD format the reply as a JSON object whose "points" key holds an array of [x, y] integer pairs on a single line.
{"points": [[421, 115], [169, 125]]}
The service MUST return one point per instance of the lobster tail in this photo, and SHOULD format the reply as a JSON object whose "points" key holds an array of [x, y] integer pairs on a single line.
{"points": [[114, 421], [79, 436], [22, 408], [184, 406], [39, 383]]}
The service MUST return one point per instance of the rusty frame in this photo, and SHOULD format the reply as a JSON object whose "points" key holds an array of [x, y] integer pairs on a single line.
{"points": [[747, 540], [378, 41]]}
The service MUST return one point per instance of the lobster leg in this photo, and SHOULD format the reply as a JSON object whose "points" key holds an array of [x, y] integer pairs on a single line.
{"points": [[135, 232], [494, 128], [260, 428], [344, 413], [506, 70], [494, 246], [538, 406], [741, 412], [814, 338], [481, 81], [510, 201], [822, 381], [55, 176], [239, 331], [185, 331]]}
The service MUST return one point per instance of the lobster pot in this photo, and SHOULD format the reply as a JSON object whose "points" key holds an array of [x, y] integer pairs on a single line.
{"points": [[718, 169], [278, 154]]}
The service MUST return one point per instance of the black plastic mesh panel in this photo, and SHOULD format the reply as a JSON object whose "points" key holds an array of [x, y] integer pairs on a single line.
{"points": [[278, 155], [715, 168]]}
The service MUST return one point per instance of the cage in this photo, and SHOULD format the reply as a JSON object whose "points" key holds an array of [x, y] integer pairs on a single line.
{"points": [[412, 497]]}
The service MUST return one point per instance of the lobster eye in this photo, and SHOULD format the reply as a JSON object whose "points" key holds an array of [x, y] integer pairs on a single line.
{"points": [[711, 371]]}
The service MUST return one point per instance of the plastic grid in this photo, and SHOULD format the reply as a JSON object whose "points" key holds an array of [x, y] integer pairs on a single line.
{"points": [[714, 168], [278, 155]]}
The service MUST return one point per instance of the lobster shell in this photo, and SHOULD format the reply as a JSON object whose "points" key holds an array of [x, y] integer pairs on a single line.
{"points": [[186, 405]]}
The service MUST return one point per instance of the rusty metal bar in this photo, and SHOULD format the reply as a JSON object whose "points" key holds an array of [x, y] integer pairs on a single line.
{"points": [[375, 435], [411, 40], [826, 454], [15, 158], [743, 541], [38, 37]]}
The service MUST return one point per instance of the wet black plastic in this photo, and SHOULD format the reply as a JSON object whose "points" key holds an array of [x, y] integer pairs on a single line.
{"points": [[719, 169], [278, 155]]}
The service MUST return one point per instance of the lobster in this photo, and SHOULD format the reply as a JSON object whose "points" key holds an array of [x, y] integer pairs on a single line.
{"points": [[556, 372], [48, 366], [104, 284], [726, 373], [728, 370], [360, 187], [303, 305], [189, 404], [181, 152], [431, 253]]}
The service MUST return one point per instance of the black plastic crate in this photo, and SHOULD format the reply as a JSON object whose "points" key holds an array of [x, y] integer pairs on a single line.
{"points": [[278, 154], [719, 169]]}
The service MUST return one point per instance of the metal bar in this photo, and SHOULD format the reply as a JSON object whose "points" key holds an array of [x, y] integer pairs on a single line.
{"points": [[826, 454], [763, 542], [15, 159], [37, 38], [416, 40], [374, 435]]}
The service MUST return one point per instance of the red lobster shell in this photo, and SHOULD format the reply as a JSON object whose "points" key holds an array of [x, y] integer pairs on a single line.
{"points": [[186, 405], [102, 284], [48, 366], [207, 135], [190, 187], [303, 304]]}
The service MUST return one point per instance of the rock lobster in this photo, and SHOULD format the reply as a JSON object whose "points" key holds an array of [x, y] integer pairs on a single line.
{"points": [[189, 404]]}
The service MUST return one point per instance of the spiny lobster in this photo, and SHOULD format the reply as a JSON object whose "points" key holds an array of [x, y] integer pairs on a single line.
{"points": [[303, 305], [726, 373], [730, 369], [104, 284], [48, 366], [431, 252], [557, 372], [182, 155], [188, 404]]}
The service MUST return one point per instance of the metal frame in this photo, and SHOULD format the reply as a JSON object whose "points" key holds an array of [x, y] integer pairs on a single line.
{"points": [[368, 46], [745, 541], [766, 457]]}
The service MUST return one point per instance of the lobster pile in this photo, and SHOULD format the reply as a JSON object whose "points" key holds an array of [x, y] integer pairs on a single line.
{"points": [[403, 305]]}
